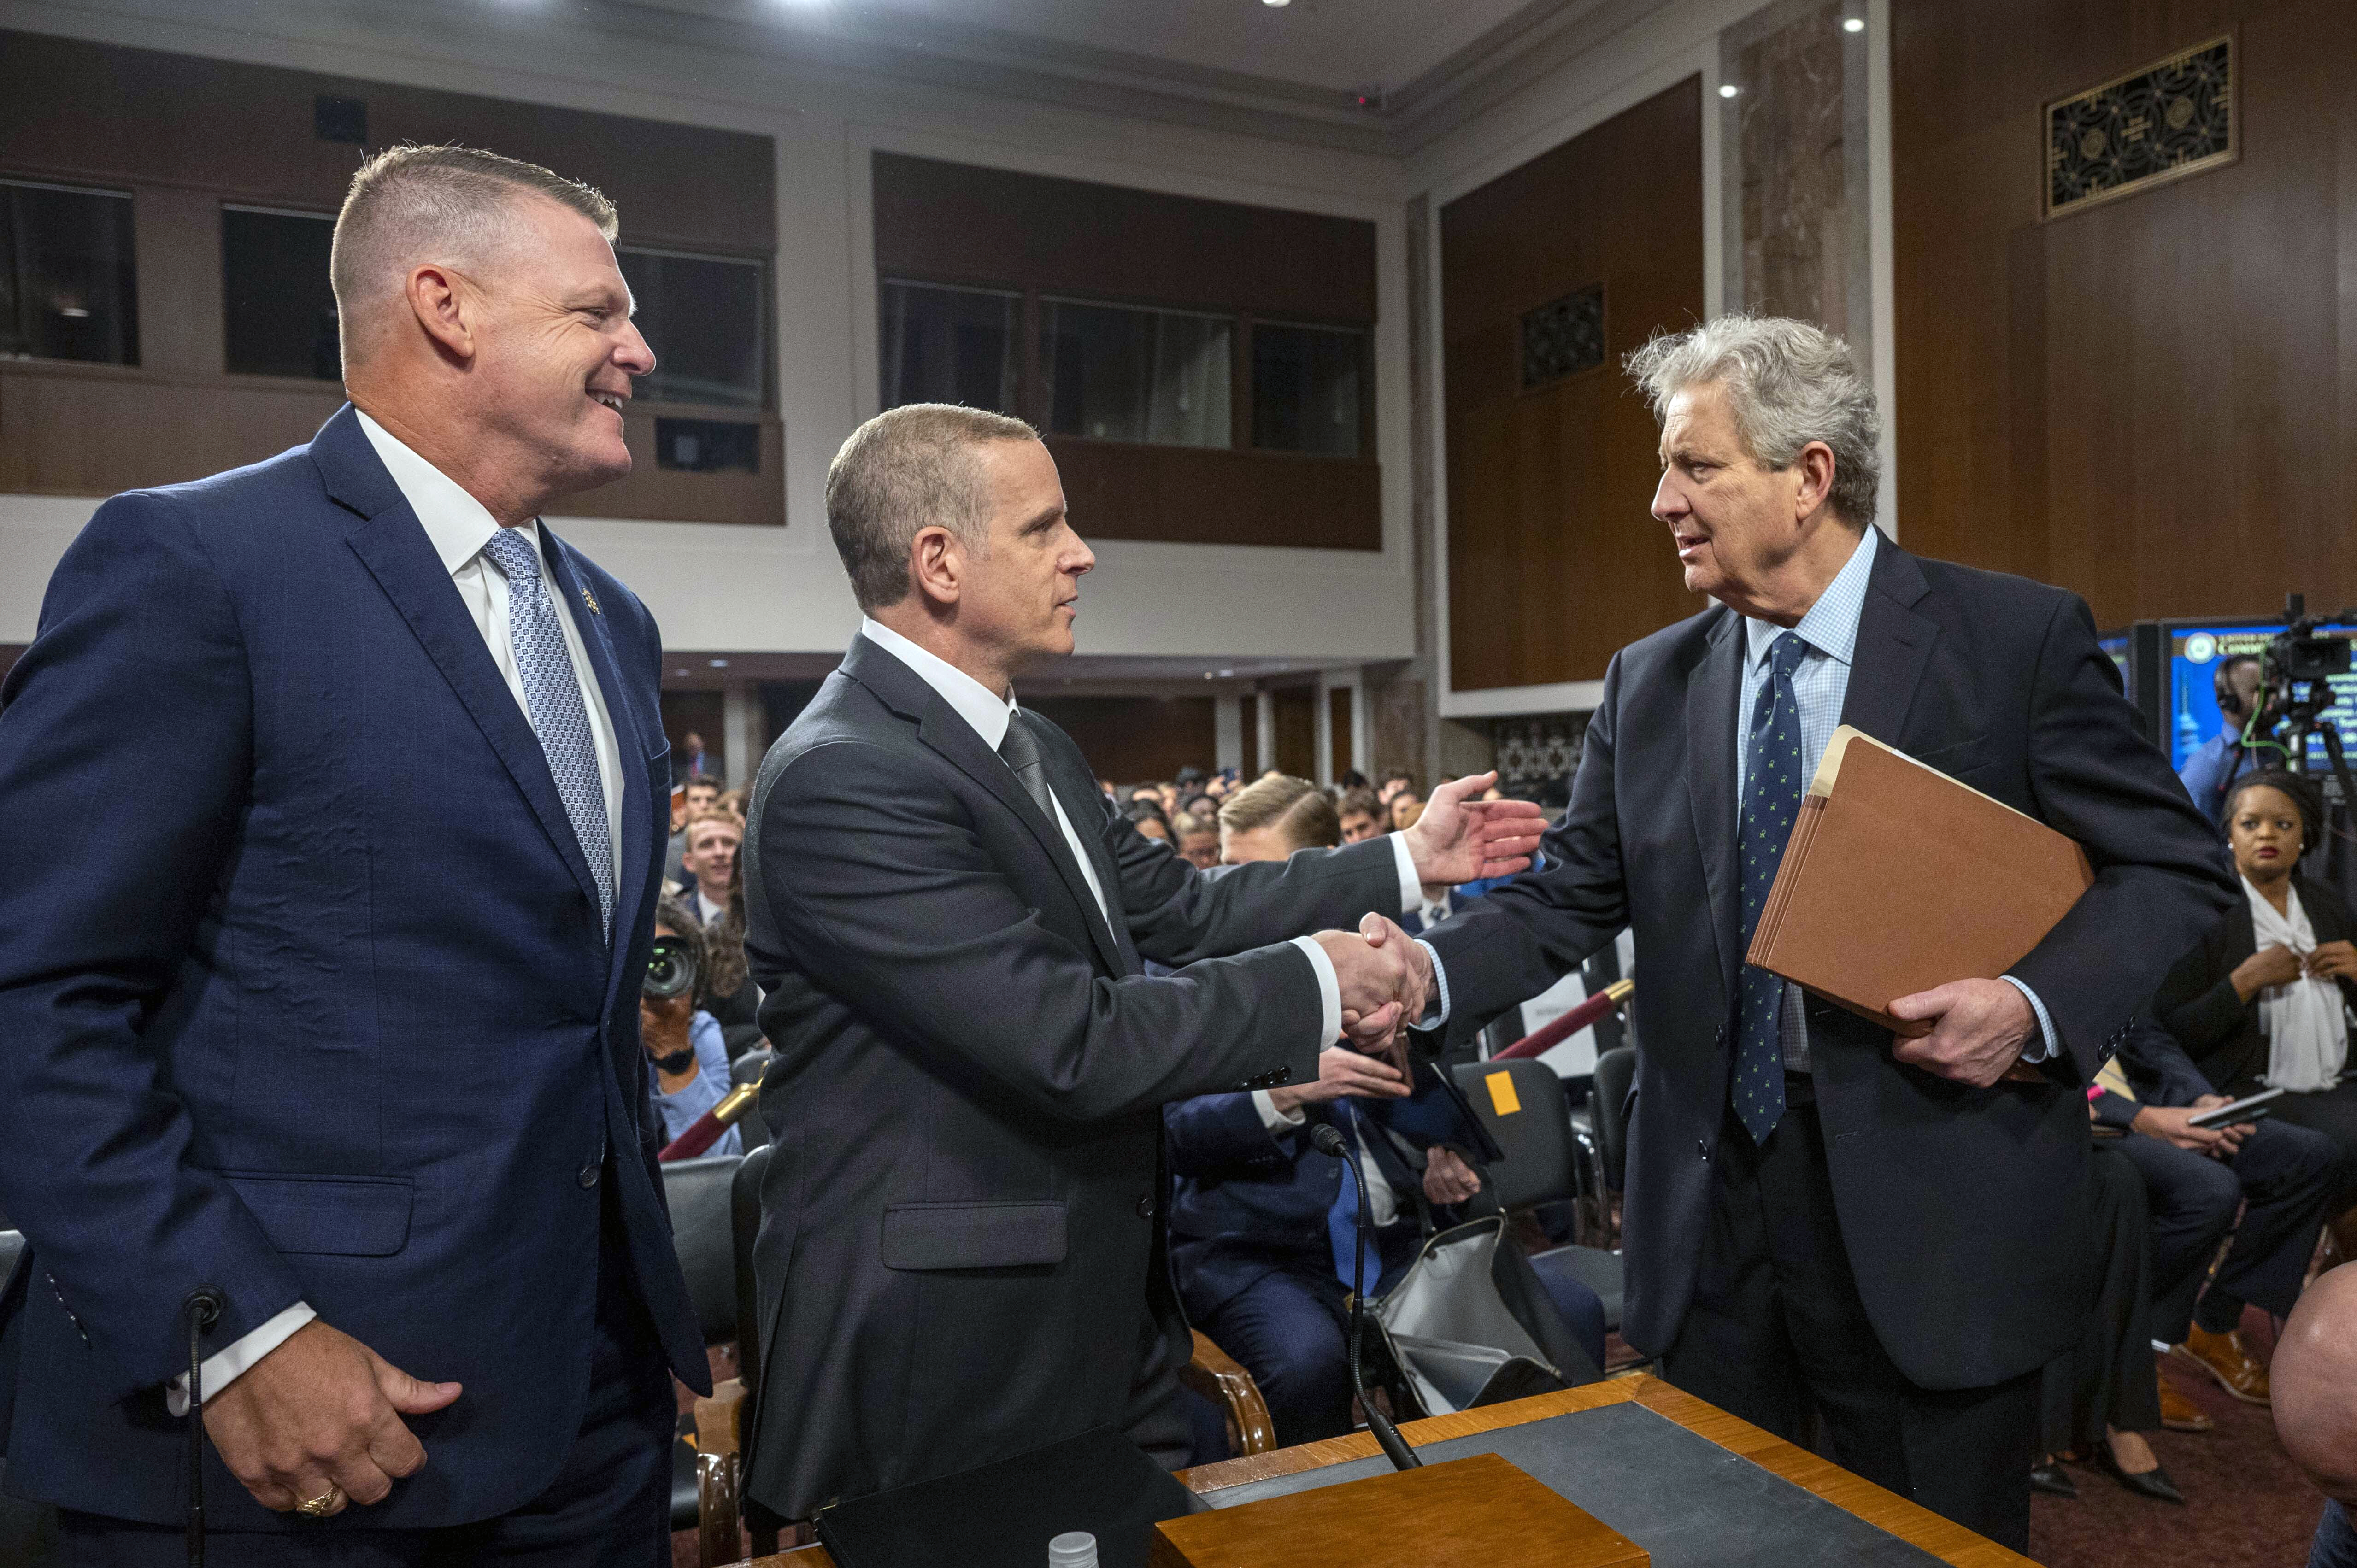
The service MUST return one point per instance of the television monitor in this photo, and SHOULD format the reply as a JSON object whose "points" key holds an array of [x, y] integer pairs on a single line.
{"points": [[2173, 668]]}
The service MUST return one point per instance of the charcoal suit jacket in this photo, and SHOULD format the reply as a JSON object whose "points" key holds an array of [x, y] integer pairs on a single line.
{"points": [[304, 993], [1958, 1206], [962, 1232]]}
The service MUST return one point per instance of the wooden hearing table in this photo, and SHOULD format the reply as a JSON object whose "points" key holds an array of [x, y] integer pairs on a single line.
{"points": [[1918, 1526]]}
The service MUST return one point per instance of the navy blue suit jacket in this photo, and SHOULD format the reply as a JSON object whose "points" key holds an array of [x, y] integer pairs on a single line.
{"points": [[303, 991], [1245, 1200]]}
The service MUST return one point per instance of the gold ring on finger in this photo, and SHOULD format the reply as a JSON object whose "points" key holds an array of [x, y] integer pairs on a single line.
{"points": [[323, 1505]]}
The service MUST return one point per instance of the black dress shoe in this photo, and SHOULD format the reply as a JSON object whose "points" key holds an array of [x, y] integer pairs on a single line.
{"points": [[2048, 1475], [2153, 1483]]}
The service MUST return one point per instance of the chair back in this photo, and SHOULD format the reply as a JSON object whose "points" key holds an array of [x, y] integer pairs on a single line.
{"points": [[1521, 1104], [745, 1227], [698, 1194], [1616, 1073]]}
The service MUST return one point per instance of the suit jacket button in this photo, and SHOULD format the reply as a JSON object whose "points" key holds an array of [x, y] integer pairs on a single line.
{"points": [[1145, 1208], [588, 1177]]}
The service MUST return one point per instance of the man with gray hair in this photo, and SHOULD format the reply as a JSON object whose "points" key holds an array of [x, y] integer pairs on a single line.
{"points": [[1822, 1220], [962, 1250], [320, 1048]]}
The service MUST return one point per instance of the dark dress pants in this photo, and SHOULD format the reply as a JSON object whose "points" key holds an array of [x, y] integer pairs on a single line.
{"points": [[2109, 1380], [2284, 1171], [2333, 1112], [1776, 1332], [609, 1506]]}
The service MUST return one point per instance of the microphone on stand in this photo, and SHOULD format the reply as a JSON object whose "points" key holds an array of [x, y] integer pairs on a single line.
{"points": [[1329, 1141]]}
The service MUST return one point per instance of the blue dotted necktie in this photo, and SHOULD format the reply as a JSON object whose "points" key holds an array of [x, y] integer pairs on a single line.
{"points": [[552, 695], [1771, 800]]}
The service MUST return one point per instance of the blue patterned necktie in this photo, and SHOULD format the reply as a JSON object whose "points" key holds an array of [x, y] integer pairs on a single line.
{"points": [[1342, 1219], [551, 693], [1771, 800]]}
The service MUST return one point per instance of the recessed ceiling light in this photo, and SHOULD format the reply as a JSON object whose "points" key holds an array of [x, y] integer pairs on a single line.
{"points": [[1279, 5], [1727, 90], [720, 664], [1854, 25], [679, 671]]}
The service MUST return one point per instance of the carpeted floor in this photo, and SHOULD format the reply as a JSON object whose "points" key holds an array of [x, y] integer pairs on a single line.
{"points": [[2246, 1505]]}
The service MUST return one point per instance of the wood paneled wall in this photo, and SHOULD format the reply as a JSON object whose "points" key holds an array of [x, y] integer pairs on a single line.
{"points": [[1131, 740], [1554, 563], [961, 223], [2152, 402]]}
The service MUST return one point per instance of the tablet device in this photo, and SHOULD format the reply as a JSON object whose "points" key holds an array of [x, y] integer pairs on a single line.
{"points": [[2227, 1115]]}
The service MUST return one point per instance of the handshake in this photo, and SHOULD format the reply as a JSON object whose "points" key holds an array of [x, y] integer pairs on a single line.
{"points": [[1385, 978]]}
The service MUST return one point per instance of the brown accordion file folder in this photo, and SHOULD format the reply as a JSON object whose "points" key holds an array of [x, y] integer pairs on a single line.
{"points": [[1898, 879]]}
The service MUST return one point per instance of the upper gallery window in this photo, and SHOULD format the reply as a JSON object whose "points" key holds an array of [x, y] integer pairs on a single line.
{"points": [[278, 308], [703, 317], [1122, 373], [66, 287], [937, 344]]}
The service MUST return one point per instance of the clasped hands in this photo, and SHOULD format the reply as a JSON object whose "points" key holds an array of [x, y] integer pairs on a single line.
{"points": [[1385, 979]]}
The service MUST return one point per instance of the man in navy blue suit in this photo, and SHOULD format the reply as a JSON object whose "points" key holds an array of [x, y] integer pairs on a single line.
{"points": [[320, 985]]}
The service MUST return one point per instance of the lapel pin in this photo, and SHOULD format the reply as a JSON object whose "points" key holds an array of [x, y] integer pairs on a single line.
{"points": [[590, 599]]}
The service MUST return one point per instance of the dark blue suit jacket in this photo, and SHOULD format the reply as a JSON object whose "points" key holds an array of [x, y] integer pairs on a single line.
{"points": [[1245, 1201], [303, 991]]}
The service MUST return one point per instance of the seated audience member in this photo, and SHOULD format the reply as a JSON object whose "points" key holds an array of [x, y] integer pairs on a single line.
{"points": [[726, 988], [1147, 816], [1263, 1226], [1197, 838], [701, 794], [713, 840], [2316, 1408], [2102, 1399], [1199, 805], [1394, 782], [687, 1059], [1404, 806], [691, 754], [733, 802], [2262, 1000], [2275, 1173], [1363, 815], [1353, 779]]}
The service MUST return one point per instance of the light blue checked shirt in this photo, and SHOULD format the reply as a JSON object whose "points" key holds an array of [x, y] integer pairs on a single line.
{"points": [[1821, 684]]}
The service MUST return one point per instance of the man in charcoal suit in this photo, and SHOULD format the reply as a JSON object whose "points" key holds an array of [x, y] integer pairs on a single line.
{"points": [[320, 984], [962, 1244], [1820, 1218]]}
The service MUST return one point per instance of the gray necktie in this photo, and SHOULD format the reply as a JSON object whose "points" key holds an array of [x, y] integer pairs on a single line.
{"points": [[1021, 749], [551, 693]]}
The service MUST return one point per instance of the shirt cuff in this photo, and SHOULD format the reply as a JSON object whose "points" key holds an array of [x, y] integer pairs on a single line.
{"points": [[1435, 1011], [1411, 890], [1276, 1121], [226, 1365], [2047, 1048], [1329, 992]]}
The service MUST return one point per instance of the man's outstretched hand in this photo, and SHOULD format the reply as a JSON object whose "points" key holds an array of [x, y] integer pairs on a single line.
{"points": [[1460, 839], [1386, 982], [321, 1410]]}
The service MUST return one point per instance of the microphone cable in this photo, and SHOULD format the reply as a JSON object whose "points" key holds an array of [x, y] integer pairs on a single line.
{"points": [[1329, 1141], [202, 1310]]}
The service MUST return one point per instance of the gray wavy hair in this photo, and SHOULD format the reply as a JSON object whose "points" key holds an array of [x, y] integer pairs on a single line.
{"points": [[1787, 383]]}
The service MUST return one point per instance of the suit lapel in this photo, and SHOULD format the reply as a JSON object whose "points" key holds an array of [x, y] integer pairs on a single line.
{"points": [[942, 727], [636, 847], [1894, 644], [392, 545], [1713, 686]]}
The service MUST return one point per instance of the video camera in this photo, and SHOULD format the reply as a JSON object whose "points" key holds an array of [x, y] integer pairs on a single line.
{"points": [[2295, 671]]}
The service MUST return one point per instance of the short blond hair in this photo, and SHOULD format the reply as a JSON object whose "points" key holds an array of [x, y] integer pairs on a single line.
{"points": [[411, 204], [1293, 807], [729, 820]]}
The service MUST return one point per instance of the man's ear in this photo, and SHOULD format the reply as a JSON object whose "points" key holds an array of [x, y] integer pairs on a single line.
{"points": [[1815, 463], [444, 308], [937, 565]]}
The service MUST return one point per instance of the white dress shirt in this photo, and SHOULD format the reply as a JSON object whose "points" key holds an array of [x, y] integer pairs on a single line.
{"points": [[989, 714], [458, 526]]}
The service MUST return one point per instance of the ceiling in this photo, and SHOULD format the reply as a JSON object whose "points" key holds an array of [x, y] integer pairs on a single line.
{"points": [[1371, 75]]}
